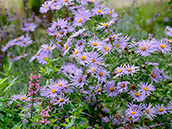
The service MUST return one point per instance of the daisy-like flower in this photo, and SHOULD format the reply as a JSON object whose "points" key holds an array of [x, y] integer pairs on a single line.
{"points": [[79, 20], [136, 95], [67, 46], [149, 112], [169, 31], [99, 10], [83, 58], [46, 47], [24, 42], [101, 75], [122, 86], [43, 56], [112, 13], [93, 1], [20, 57], [145, 88], [52, 91], [130, 69], [61, 100], [152, 64], [160, 109], [76, 51], [92, 69], [68, 88], [78, 80], [55, 5], [98, 89], [120, 71], [106, 48], [95, 43], [110, 89], [45, 7], [65, 2], [77, 33], [163, 47], [143, 49], [155, 76], [134, 112], [94, 57], [29, 27], [105, 25]]}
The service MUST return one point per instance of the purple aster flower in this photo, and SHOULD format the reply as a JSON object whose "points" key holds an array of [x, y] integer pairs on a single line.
{"points": [[92, 69], [52, 91], [45, 7], [152, 64], [106, 48], [61, 100], [29, 27], [163, 47], [149, 112], [160, 109], [101, 75], [79, 20], [24, 42], [155, 76], [110, 90], [145, 88], [83, 58], [98, 10], [136, 95], [78, 80], [95, 43], [134, 112], [106, 24], [122, 86], [65, 2], [130, 69], [168, 31], [94, 58], [46, 47], [20, 57], [43, 56], [120, 71], [143, 49], [55, 5], [77, 50], [112, 13]]}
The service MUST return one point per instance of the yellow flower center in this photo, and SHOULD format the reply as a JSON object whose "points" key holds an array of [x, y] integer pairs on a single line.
{"points": [[92, 0], [162, 46], [66, 46], [110, 13], [53, 90], [120, 70], [160, 109], [143, 48], [100, 74], [129, 69], [48, 48], [92, 69], [106, 24], [66, 87], [147, 111], [79, 80], [24, 98], [58, 42], [44, 58], [93, 60], [46, 6], [154, 75], [94, 44], [146, 88], [79, 20], [107, 49], [99, 90], [137, 94], [80, 44], [122, 86], [111, 89], [24, 42], [89, 100], [132, 113], [83, 58], [17, 38], [21, 56], [29, 28], [60, 84], [99, 11], [116, 45], [61, 100], [76, 52], [171, 32], [65, 0]]}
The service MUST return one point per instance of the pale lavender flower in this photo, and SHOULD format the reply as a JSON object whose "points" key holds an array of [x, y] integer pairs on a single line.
{"points": [[149, 112], [160, 109], [110, 89], [122, 86], [145, 88]]}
